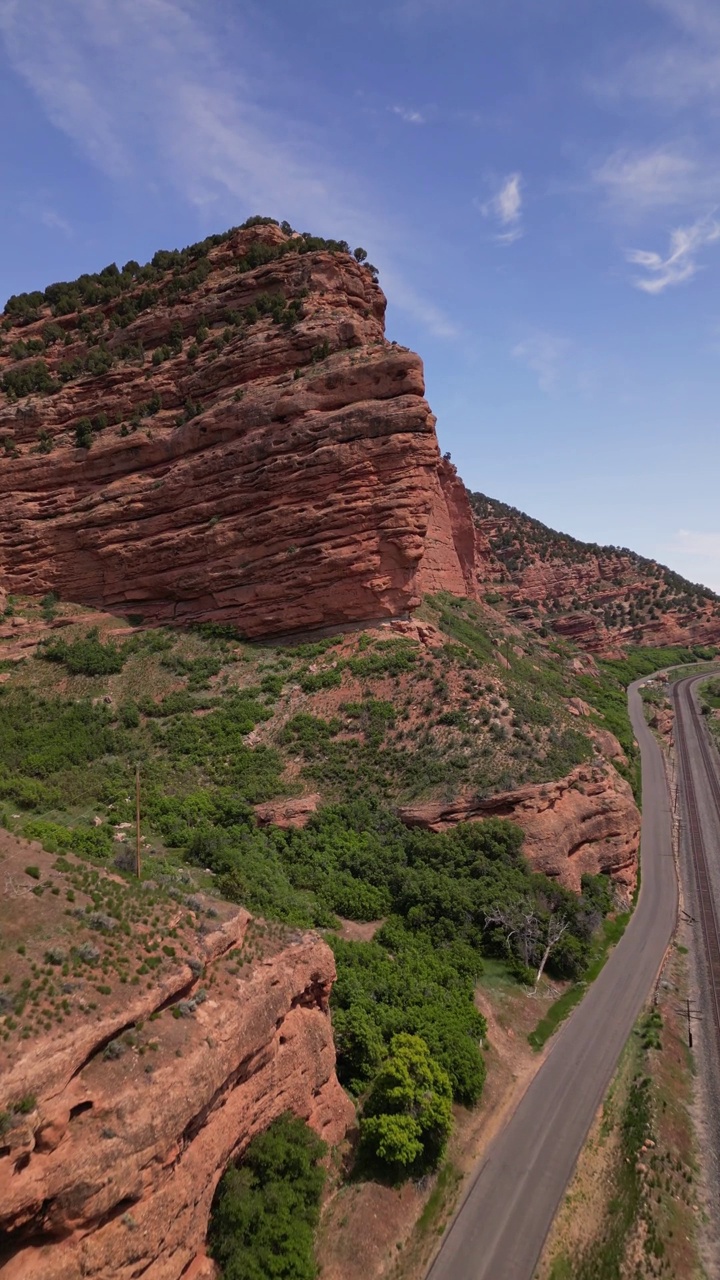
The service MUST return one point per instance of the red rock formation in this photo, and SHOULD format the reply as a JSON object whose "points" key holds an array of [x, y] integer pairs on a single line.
{"points": [[293, 812], [290, 478], [586, 822], [663, 720], [114, 1171]]}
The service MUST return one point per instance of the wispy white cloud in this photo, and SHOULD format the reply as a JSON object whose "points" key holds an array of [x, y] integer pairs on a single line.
{"points": [[673, 180], [680, 264], [679, 67], [146, 92], [505, 207], [700, 554], [55, 221], [636, 183], [409, 115], [544, 354], [425, 312]]}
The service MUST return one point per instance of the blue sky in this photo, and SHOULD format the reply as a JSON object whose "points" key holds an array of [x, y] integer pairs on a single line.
{"points": [[537, 181]]}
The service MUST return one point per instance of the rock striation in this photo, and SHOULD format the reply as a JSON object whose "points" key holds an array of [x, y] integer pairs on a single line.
{"points": [[585, 822], [259, 453], [226, 435]]}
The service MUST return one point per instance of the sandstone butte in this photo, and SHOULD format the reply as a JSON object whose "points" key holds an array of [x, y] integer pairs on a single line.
{"points": [[290, 478], [113, 1171], [279, 472]]}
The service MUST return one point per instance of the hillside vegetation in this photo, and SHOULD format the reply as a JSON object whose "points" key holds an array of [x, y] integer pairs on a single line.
{"points": [[217, 726], [603, 597]]}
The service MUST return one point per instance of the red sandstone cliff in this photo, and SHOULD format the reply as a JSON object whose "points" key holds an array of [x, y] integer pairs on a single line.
{"points": [[262, 455], [449, 559], [276, 473]]}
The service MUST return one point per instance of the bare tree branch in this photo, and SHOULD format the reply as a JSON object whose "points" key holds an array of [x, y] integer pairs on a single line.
{"points": [[557, 924], [522, 922]]}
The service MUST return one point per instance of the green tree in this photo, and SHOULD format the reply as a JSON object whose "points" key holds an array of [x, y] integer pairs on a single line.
{"points": [[408, 1115], [265, 1212], [83, 434], [359, 1040]]}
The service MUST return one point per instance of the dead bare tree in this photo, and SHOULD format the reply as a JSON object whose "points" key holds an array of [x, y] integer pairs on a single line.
{"points": [[556, 926], [519, 921], [522, 922]]}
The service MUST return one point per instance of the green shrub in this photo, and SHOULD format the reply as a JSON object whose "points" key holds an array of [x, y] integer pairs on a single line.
{"points": [[83, 434], [87, 656], [30, 378], [41, 736]]}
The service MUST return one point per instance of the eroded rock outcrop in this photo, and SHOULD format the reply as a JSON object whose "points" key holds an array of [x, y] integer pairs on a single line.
{"points": [[585, 822], [117, 1125], [277, 469]]}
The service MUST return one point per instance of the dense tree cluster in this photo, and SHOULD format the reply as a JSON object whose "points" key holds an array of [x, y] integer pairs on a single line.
{"points": [[266, 1209], [407, 1118]]}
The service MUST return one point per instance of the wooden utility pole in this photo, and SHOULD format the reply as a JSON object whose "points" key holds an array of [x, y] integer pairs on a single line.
{"points": [[137, 821]]}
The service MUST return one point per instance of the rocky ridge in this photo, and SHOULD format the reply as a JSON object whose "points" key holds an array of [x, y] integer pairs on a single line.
{"points": [[122, 1121], [602, 598]]}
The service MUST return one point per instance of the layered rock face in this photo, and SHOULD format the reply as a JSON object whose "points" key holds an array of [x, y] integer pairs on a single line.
{"points": [[279, 471], [113, 1171], [449, 560], [585, 822]]}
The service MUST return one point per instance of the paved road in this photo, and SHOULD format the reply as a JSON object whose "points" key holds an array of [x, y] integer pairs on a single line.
{"points": [[500, 1228]]}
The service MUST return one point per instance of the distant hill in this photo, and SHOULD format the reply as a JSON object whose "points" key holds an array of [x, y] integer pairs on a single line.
{"points": [[604, 598]]}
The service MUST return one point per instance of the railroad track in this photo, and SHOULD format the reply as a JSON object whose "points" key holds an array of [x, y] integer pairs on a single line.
{"points": [[706, 902]]}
